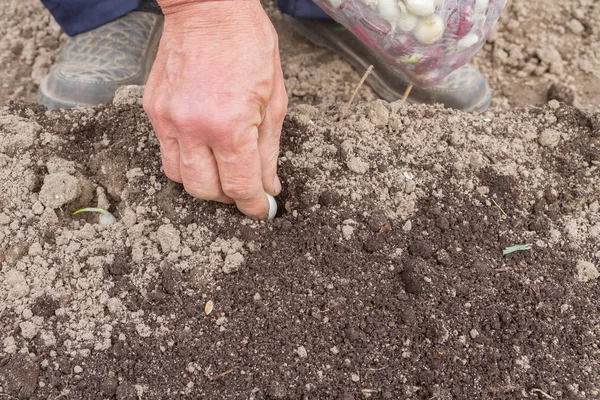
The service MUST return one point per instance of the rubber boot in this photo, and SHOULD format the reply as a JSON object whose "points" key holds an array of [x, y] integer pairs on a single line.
{"points": [[93, 65]]}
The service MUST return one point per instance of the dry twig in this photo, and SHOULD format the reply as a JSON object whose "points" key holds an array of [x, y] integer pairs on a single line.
{"points": [[407, 92], [540, 391], [362, 80]]}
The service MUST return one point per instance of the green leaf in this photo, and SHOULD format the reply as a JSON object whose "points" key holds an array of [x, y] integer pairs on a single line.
{"points": [[96, 210], [518, 247]]}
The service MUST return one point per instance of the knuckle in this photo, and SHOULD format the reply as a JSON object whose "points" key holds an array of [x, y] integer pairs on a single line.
{"points": [[172, 174], [280, 112], [198, 193], [238, 191]]}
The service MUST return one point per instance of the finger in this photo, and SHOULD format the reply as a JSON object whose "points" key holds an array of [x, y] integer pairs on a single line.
{"points": [[169, 146], [268, 148], [169, 152], [269, 133], [200, 174], [240, 174]]}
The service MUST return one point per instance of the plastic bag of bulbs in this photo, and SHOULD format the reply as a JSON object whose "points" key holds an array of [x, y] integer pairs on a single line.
{"points": [[425, 39]]}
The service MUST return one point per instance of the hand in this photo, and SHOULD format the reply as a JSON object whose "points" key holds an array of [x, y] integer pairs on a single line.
{"points": [[217, 101]]}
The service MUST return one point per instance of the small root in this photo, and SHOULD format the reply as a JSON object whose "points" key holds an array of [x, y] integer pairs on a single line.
{"points": [[362, 80]]}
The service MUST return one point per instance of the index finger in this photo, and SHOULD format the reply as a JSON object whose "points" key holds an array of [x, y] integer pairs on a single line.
{"points": [[241, 174]]}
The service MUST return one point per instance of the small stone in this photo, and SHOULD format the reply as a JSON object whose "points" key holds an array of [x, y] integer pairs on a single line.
{"points": [[473, 333], [48, 338], [114, 305], [554, 104], [4, 219], [549, 138], [354, 377], [357, 165], [571, 229], [443, 257], [302, 353], [483, 190], [586, 271], [143, 330], [233, 262], [10, 345], [35, 249], [129, 95], [37, 208], [28, 329], [27, 314], [575, 26], [548, 54], [77, 369], [59, 189], [347, 231], [221, 321], [169, 238], [379, 113], [334, 350]]}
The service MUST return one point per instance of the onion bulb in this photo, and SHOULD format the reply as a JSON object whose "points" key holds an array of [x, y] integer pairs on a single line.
{"points": [[272, 206], [370, 3], [420, 8], [407, 22], [388, 10], [468, 41], [429, 30], [481, 6]]}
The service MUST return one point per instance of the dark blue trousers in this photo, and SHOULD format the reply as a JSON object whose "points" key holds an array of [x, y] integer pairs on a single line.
{"points": [[77, 16]]}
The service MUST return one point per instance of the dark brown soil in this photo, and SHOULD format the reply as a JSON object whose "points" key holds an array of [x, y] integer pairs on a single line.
{"points": [[427, 311]]}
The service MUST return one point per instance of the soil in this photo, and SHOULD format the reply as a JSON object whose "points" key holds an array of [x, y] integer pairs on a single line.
{"points": [[383, 276]]}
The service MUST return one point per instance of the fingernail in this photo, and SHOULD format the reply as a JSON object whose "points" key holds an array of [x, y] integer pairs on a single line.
{"points": [[277, 185]]}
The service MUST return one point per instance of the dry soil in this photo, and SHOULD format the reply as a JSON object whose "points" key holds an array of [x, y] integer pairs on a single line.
{"points": [[383, 277]]}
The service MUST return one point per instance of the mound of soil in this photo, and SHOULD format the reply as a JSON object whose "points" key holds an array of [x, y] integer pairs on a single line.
{"points": [[383, 277]]}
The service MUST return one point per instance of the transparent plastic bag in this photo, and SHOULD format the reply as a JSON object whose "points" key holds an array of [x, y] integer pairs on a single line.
{"points": [[424, 39]]}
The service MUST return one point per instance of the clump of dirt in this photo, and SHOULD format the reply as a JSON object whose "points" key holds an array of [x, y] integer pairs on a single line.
{"points": [[383, 277]]}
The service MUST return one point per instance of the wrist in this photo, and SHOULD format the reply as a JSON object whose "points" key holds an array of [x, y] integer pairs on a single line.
{"points": [[185, 6]]}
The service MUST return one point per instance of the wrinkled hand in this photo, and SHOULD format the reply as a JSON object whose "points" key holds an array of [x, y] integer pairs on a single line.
{"points": [[216, 99]]}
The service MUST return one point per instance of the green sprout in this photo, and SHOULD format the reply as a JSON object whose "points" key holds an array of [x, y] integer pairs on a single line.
{"points": [[106, 218], [96, 210], [518, 247]]}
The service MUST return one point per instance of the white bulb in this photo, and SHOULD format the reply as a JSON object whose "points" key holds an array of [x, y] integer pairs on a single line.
{"points": [[469, 40], [107, 218], [370, 3], [407, 22], [272, 206], [429, 30], [388, 10], [421, 8], [481, 6]]}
